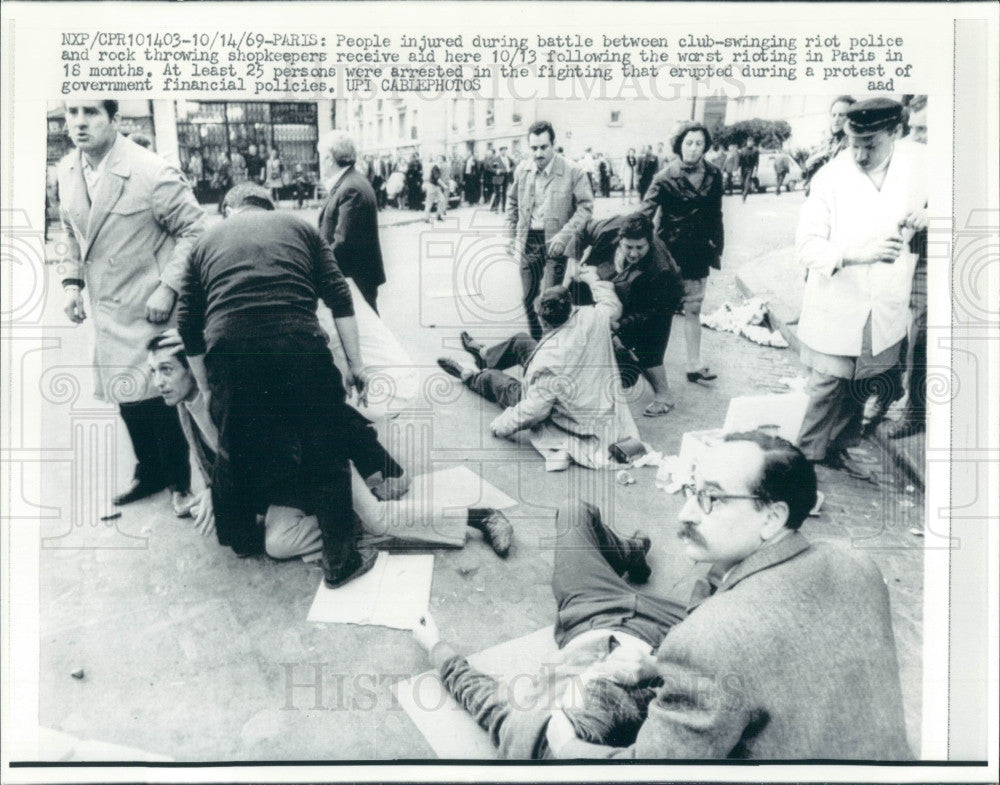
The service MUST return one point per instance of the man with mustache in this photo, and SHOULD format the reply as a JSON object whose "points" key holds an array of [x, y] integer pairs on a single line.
{"points": [[790, 656]]}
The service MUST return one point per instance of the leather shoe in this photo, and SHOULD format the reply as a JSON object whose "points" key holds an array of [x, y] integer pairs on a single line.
{"points": [[638, 571], [474, 348], [842, 461], [451, 367], [701, 375], [140, 489], [497, 530], [357, 564]]}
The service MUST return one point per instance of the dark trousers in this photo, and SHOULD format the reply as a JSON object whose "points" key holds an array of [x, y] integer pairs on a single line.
{"points": [[836, 406], [279, 405], [499, 196], [472, 189], [364, 449], [915, 356], [161, 450], [495, 385], [538, 273], [747, 177], [368, 292], [589, 587]]}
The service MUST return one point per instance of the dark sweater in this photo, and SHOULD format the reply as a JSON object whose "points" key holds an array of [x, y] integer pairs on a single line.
{"points": [[258, 273]]}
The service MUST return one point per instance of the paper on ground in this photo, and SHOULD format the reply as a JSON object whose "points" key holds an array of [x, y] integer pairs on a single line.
{"points": [[448, 728], [394, 593], [456, 489]]}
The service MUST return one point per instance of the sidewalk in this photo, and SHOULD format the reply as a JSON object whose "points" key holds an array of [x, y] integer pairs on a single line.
{"points": [[777, 279]]}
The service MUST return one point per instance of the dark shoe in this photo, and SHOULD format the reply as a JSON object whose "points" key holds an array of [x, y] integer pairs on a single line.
{"points": [[139, 489], [357, 564], [451, 367], [497, 530], [474, 348], [842, 461], [703, 375], [638, 571], [904, 427]]}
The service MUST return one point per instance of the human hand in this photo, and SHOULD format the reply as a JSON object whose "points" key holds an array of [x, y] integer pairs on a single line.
{"points": [[74, 307], [160, 304], [884, 249], [357, 379], [426, 632], [624, 665], [204, 514], [555, 249], [915, 220]]}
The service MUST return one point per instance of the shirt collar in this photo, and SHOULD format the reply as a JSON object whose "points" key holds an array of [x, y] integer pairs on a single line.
{"points": [[547, 171]]}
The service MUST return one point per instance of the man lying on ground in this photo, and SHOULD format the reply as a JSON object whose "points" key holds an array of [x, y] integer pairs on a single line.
{"points": [[570, 397], [289, 529], [784, 651]]}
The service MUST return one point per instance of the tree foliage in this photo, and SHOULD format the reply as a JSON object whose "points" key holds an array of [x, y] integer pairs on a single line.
{"points": [[769, 134]]}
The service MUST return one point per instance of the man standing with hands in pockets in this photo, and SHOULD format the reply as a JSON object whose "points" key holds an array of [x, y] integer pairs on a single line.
{"points": [[131, 221], [547, 204]]}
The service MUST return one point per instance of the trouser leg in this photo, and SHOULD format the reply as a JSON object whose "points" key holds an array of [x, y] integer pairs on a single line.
{"points": [[160, 448], [496, 386], [364, 448], [290, 533], [587, 582], [827, 414], [510, 352], [532, 270]]}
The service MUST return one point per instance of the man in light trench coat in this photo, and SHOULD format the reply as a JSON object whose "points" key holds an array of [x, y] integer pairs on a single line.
{"points": [[131, 221]]}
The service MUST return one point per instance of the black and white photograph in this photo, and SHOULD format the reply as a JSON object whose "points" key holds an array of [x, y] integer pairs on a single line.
{"points": [[436, 425]]}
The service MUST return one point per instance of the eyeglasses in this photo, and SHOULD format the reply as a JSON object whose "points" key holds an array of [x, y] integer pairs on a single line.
{"points": [[707, 498]]}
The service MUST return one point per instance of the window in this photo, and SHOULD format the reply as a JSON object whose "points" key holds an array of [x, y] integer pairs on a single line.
{"points": [[490, 112], [616, 118]]}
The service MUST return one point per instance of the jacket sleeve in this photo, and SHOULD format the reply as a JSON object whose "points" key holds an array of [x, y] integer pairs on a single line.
{"points": [[512, 203], [348, 214], [180, 215], [191, 305], [606, 302], [328, 278], [581, 240], [653, 198], [478, 693], [583, 207], [815, 249], [72, 259], [717, 232], [694, 715], [538, 397]]}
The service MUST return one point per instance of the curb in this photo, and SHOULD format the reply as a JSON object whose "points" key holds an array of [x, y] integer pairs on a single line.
{"points": [[901, 459]]}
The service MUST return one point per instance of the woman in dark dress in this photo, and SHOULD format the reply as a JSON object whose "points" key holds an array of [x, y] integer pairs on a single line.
{"points": [[687, 195]]}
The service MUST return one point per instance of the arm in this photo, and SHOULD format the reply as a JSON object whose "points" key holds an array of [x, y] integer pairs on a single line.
{"points": [[512, 204], [694, 715], [538, 397], [606, 302], [817, 252], [662, 295], [717, 233], [73, 281], [654, 195], [583, 202], [178, 212], [191, 305], [349, 210]]}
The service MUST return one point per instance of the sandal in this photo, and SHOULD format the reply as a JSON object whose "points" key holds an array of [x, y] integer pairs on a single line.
{"points": [[658, 409]]}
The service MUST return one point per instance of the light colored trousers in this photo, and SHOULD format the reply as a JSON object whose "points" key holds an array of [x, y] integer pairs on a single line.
{"points": [[290, 533]]}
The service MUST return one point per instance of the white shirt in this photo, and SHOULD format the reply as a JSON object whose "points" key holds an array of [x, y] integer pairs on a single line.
{"points": [[93, 174], [845, 208]]}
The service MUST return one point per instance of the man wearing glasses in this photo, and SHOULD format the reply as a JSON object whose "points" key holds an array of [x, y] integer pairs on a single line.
{"points": [[787, 653]]}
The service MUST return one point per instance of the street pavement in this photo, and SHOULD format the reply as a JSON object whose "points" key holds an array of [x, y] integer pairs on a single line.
{"points": [[193, 653]]}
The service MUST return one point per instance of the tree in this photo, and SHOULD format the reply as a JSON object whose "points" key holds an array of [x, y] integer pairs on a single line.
{"points": [[767, 133]]}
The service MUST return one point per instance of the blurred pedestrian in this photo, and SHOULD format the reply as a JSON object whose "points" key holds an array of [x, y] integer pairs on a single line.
{"points": [[649, 164], [630, 179], [273, 169], [834, 139], [749, 162]]}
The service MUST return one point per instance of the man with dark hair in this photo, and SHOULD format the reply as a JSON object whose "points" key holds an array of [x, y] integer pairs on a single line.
{"points": [[291, 530], [277, 398], [647, 282], [785, 649], [863, 209], [568, 397], [349, 218], [549, 201], [649, 165], [834, 139], [131, 222]]}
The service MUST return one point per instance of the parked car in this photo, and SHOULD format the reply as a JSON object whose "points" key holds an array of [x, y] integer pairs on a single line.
{"points": [[767, 179]]}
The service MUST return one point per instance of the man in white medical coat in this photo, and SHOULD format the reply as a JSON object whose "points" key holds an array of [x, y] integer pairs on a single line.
{"points": [[853, 241]]}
